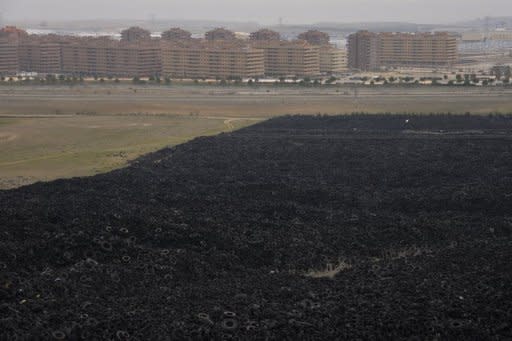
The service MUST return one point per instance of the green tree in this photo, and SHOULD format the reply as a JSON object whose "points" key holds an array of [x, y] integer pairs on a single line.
{"points": [[508, 72], [331, 80]]}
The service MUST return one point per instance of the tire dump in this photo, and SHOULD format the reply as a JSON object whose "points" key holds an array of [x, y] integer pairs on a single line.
{"points": [[299, 227]]}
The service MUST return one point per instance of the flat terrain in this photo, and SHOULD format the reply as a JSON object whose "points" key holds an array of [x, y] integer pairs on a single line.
{"points": [[324, 228], [49, 132], [34, 148], [251, 102]]}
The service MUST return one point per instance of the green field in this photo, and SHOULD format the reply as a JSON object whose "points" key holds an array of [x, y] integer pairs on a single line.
{"points": [[46, 148]]}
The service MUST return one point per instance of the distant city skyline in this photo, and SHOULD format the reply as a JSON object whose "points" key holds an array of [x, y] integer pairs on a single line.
{"points": [[265, 12]]}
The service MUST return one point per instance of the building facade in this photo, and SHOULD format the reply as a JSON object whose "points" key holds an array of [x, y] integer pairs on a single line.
{"points": [[108, 57], [315, 37], [176, 54], [290, 58], [220, 34], [264, 35], [371, 51], [418, 49], [40, 54], [332, 60], [176, 33], [363, 51], [135, 33], [202, 59], [9, 61], [10, 40]]}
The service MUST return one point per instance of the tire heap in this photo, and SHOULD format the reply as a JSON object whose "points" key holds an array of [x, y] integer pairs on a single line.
{"points": [[295, 228]]}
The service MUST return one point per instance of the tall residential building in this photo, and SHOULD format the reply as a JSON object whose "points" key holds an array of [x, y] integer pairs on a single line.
{"points": [[13, 33], [40, 54], [10, 40], [176, 34], [332, 60], [363, 51], [107, 57], [220, 34], [417, 49], [205, 59], [371, 51], [9, 61], [315, 37], [133, 34], [285, 58], [264, 35], [219, 55]]}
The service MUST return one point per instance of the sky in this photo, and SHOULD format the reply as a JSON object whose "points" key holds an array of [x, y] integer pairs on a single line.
{"points": [[262, 11]]}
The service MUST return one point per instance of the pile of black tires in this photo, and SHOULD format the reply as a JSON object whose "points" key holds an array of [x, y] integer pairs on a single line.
{"points": [[369, 227]]}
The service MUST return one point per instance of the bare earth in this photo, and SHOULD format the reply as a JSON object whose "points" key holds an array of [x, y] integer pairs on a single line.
{"points": [[54, 132]]}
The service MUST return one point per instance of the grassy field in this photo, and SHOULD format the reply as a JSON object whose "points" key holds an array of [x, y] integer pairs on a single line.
{"points": [[55, 132], [46, 148]]}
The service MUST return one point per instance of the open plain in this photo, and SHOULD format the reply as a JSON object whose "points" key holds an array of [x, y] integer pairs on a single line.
{"points": [[49, 132]]}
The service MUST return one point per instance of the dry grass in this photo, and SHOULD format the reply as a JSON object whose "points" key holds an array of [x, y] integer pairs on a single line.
{"points": [[54, 132], [404, 253], [246, 102], [330, 271], [46, 148]]}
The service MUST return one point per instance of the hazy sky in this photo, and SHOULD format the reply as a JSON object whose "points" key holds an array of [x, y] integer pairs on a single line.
{"points": [[263, 11]]}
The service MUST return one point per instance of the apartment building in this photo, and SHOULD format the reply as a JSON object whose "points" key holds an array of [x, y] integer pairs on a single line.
{"points": [[10, 38], [372, 51], [134, 34], [176, 34], [107, 57], [315, 37], [363, 51], [332, 60], [264, 35], [220, 34], [40, 54], [9, 63], [203, 59], [286, 58], [176, 54], [418, 49]]}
